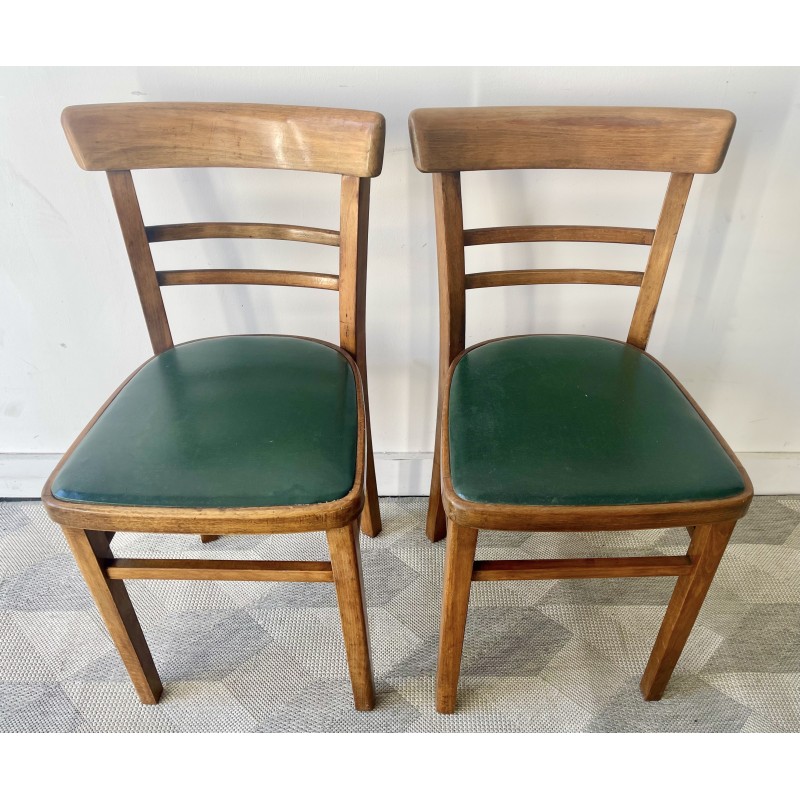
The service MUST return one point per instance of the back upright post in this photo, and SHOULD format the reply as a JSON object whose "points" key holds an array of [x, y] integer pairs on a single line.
{"points": [[141, 258], [452, 308], [352, 315], [655, 272]]}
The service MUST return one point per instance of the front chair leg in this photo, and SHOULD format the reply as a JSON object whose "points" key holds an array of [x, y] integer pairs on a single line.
{"points": [[459, 560], [346, 565], [114, 605], [706, 549]]}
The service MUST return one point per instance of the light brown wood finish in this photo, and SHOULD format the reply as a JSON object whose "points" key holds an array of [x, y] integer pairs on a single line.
{"points": [[452, 318], [706, 550], [186, 569], [678, 141], [656, 271], [352, 316], [530, 277], [557, 233], [119, 138], [90, 549], [558, 568], [252, 277], [343, 544], [240, 230], [144, 271], [461, 544], [570, 137], [168, 135]]}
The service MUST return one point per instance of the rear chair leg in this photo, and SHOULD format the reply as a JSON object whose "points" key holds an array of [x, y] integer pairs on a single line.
{"points": [[459, 560], [706, 549], [371, 515], [436, 523], [346, 565], [206, 539], [114, 605]]}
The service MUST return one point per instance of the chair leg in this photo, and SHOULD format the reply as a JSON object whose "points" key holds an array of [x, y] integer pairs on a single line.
{"points": [[706, 549], [346, 564], [460, 557], [114, 605], [436, 523], [371, 515], [207, 539]]}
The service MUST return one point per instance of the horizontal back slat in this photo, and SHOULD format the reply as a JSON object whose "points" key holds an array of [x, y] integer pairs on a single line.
{"points": [[240, 230], [558, 233], [133, 136], [251, 277], [530, 277], [689, 140]]}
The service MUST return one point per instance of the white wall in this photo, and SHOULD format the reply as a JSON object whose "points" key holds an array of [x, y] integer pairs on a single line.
{"points": [[728, 326]]}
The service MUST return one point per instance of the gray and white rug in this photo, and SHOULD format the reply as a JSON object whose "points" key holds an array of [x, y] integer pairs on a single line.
{"points": [[539, 655]]}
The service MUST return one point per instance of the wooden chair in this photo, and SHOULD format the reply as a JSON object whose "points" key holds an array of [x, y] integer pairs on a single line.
{"points": [[571, 433], [234, 434]]}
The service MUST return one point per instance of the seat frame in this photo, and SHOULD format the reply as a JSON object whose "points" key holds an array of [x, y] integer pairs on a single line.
{"points": [[120, 137], [679, 141]]}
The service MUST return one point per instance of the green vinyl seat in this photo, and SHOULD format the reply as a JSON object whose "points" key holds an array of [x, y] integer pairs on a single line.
{"points": [[236, 421], [578, 421]]}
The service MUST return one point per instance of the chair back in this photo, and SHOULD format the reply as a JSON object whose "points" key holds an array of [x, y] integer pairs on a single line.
{"points": [[119, 138], [449, 141]]}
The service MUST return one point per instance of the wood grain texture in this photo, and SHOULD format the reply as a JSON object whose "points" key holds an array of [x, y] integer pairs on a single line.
{"points": [[346, 563], [459, 559], [90, 549], [252, 277], [558, 568], [171, 569], [578, 137], [529, 277], [679, 141], [660, 254], [118, 138], [452, 318], [129, 136], [557, 233], [706, 549], [354, 234], [130, 219], [241, 230]]}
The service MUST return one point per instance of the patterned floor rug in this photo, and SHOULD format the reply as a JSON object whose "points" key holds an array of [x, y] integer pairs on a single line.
{"points": [[539, 655]]}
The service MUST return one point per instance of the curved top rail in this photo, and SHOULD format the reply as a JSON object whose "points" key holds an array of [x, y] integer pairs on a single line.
{"points": [[128, 136], [685, 140]]}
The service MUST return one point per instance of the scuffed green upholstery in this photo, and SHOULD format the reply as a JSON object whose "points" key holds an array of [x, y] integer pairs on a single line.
{"points": [[577, 420], [226, 422]]}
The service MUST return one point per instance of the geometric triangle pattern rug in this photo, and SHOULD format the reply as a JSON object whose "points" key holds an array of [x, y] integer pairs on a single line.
{"points": [[538, 656]]}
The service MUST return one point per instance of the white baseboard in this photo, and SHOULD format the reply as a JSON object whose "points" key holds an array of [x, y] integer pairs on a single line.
{"points": [[773, 473], [24, 474], [403, 474], [399, 474]]}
